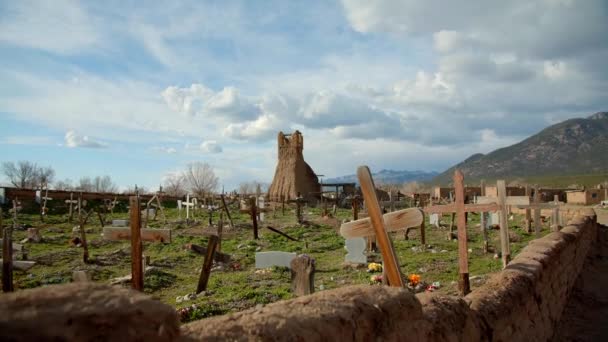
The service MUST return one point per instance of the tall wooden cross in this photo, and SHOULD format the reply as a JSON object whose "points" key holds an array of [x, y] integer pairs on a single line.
{"points": [[391, 264], [299, 201], [253, 213], [460, 209], [503, 201], [136, 235], [537, 207]]}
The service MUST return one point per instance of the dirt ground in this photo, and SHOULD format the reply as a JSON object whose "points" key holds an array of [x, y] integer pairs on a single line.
{"points": [[585, 317]]}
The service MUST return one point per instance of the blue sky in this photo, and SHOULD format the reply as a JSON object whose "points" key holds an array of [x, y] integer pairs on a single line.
{"points": [[138, 91]]}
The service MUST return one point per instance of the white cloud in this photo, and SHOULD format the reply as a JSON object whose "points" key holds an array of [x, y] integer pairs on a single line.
{"points": [[211, 147], [167, 150], [73, 139]]}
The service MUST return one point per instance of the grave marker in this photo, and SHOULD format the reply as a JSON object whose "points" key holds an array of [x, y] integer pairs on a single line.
{"points": [[302, 275], [207, 263], [7, 255], [137, 274], [391, 265], [270, 259], [355, 248]]}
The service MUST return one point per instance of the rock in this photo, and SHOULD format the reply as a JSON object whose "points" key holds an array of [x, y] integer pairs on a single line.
{"points": [[514, 237], [470, 250], [321, 287], [85, 312], [444, 251]]}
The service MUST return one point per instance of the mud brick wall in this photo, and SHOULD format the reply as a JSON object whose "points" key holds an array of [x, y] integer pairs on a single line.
{"points": [[521, 303]]}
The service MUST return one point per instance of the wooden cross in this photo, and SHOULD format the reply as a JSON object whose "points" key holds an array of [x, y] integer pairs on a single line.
{"points": [[71, 202], [253, 212], [207, 263], [460, 209], [42, 200], [537, 206], [137, 272], [377, 222], [299, 201], [225, 207], [503, 202], [7, 255]]}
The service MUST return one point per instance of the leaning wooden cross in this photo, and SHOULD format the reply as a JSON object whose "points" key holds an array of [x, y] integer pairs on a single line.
{"points": [[376, 225]]}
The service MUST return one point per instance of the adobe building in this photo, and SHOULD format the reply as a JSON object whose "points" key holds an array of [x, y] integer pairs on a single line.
{"points": [[586, 197], [293, 175]]}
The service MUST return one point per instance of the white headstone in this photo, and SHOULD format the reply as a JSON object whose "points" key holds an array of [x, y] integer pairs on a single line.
{"points": [[494, 219], [261, 206], [120, 223], [486, 220], [270, 259], [434, 220], [355, 248], [2, 196], [38, 197]]}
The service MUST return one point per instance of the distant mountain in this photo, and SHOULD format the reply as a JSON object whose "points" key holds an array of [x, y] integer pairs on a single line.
{"points": [[387, 177], [572, 147]]}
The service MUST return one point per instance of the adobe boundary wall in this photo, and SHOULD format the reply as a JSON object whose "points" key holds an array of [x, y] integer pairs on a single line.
{"points": [[523, 302]]}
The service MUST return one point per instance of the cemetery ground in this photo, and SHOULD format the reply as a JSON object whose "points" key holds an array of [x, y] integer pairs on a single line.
{"points": [[237, 285]]}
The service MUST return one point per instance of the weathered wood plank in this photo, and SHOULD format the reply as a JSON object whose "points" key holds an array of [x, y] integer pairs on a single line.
{"points": [[137, 272], [504, 228], [147, 234], [395, 221], [461, 223], [207, 263], [510, 200], [391, 266]]}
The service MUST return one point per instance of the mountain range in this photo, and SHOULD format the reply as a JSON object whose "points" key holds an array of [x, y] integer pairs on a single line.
{"points": [[572, 147], [388, 177]]}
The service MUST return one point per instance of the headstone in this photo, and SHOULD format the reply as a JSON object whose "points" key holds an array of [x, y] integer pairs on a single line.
{"points": [[120, 223], [486, 221], [434, 220], [302, 275], [151, 212], [355, 248], [2, 196], [270, 259], [261, 205], [33, 235], [494, 219], [38, 197]]}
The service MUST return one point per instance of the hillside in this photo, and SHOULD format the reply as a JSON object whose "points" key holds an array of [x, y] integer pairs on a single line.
{"points": [[387, 177], [572, 147]]}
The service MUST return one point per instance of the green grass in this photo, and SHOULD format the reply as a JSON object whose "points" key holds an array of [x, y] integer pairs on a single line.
{"points": [[234, 289]]}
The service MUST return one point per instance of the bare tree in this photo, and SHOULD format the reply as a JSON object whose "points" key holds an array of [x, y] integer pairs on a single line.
{"points": [[248, 188], [21, 175], [175, 185], [85, 184], [65, 184], [45, 176], [200, 179], [411, 187], [104, 184]]}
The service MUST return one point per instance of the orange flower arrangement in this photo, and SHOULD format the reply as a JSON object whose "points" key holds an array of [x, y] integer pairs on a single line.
{"points": [[414, 279]]}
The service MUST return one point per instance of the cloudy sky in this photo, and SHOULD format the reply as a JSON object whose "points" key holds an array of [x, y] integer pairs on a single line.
{"points": [[136, 92]]}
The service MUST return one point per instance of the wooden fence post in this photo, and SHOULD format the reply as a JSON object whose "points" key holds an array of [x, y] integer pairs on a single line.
{"points": [[207, 263], [137, 274], [302, 275], [7, 255]]}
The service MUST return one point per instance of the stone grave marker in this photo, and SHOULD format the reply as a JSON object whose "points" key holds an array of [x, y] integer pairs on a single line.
{"points": [[355, 248], [434, 220], [120, 223], [273, 258]]}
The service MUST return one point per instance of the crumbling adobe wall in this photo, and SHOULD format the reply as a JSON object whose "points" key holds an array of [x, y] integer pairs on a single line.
{"points": [[524, 302], [521, 303], [85, 312]]}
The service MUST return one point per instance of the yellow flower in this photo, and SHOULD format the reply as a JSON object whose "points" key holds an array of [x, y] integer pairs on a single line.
{"points": [[374, 267]]}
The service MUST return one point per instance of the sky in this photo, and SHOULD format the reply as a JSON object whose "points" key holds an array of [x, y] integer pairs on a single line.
{"points": [[137, 90]]}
